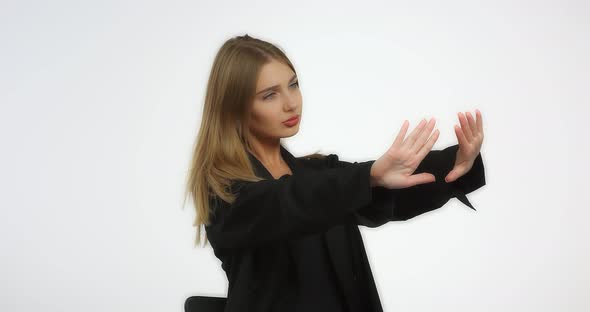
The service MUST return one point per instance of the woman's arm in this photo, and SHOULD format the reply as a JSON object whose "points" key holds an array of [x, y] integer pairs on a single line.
{"points": [[291, 206], [403, 204]]}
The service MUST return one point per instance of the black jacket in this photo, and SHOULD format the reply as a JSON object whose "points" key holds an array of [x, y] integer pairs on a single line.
{"points": [[327, 196]]}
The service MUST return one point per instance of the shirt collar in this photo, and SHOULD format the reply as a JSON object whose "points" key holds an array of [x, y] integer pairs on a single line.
{"points": [[261, 171]]}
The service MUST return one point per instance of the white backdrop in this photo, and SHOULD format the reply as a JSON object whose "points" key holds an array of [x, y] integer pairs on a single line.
{"points": [[101, 101]]}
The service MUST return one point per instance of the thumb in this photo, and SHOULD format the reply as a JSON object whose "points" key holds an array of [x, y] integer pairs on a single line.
{"points": [[452, 176], [421, 178]]}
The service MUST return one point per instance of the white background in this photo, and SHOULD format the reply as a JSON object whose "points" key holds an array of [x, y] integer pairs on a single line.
{"points": [[100, 104]]}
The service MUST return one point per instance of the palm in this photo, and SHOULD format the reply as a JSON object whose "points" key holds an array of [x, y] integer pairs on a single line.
{"points": [[396, 167]]}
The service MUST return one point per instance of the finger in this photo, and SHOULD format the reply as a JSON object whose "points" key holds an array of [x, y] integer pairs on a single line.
{"points": [[479, 121], [464, 126], [401, 135], [460, 136], [409, 142], [453, 175], [426, 148], [421, 178], [424, 135], [450, 177], [472, 126]]}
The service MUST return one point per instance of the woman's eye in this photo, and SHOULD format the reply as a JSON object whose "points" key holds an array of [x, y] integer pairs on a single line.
{"points": [[270, 95]]}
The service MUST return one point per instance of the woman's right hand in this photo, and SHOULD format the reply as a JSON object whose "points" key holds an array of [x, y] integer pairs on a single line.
{"points": [[394, 169]]}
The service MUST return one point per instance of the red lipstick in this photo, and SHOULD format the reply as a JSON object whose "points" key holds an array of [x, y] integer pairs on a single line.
{"points": [[291, 121]]}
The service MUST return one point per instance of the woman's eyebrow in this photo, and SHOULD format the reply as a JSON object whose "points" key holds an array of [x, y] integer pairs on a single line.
{"points": [[275, 86]]}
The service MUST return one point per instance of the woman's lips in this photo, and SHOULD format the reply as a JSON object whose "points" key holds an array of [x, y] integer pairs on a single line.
{"points": [[291, 122]]}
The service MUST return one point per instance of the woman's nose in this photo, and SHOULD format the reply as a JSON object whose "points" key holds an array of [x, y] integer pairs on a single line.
{"points": [[291, 102]]}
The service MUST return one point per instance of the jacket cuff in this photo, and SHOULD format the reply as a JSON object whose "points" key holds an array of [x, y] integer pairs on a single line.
{"points": [[472, 180], [366, 192]]}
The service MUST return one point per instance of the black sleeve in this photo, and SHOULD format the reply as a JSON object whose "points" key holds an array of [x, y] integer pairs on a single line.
{"points": [[294, 205], [403, 204]]}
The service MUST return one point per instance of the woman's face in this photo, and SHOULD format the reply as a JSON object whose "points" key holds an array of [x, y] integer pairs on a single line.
{"points": [[277, 99]]}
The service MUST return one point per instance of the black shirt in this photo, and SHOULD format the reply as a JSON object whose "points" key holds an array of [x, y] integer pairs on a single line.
{"points": [[253, 236], [317, 279]]}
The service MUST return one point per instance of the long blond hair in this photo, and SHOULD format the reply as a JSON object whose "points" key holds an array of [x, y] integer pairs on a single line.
{"points": [[221, 146]]}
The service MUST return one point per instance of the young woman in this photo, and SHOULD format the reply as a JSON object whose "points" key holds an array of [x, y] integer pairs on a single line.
{"points": [[285, 228]]}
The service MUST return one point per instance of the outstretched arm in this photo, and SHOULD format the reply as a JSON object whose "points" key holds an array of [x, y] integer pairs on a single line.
{"points": [[291, 206], [452, 172], [403, 204]]}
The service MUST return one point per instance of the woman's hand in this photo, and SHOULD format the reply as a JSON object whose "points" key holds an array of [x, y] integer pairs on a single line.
{"points": [[470, 137], [394, 169]]}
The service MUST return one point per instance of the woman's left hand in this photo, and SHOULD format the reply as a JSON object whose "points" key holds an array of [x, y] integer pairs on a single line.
{"points": [[470, 137]]}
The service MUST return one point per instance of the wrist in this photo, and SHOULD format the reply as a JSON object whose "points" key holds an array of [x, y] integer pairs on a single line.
{"points": [[373, 179]]}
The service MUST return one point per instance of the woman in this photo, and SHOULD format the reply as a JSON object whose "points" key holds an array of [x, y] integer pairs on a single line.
{"points": [[286, 228]]}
